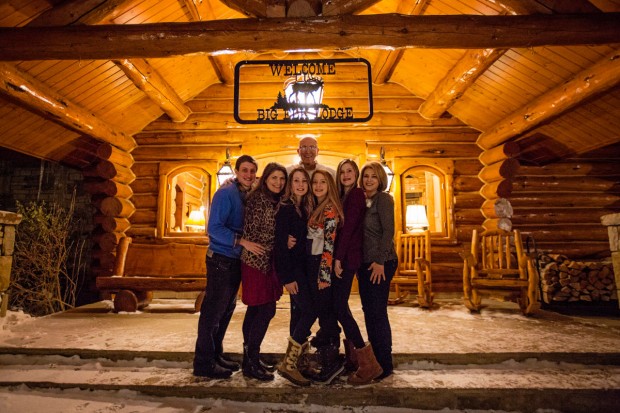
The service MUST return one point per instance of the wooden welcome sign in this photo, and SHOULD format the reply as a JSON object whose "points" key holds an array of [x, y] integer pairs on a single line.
{"points": [[303, 91]]}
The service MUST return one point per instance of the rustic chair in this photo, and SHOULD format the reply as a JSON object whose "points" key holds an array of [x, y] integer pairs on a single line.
{"points": [[414, 266], [498, 265]]}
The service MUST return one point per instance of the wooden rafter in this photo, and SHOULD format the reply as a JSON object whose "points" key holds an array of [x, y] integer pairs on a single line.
{"points": [[324, 33], [537, 7], [148, 80], [38, 97], [252, 8], [596, 79], [387, 60], [462, 75], [139, 71]]}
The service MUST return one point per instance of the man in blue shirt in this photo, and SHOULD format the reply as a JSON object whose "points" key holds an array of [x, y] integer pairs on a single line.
{"points": [[223, 271]]}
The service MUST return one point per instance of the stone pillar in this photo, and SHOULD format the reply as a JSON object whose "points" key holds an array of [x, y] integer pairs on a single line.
{"points": [[8, 222], [612, 222]]}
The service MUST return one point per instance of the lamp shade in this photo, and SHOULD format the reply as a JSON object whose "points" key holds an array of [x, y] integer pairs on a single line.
{"points": [[415, 218], [196, 218]]}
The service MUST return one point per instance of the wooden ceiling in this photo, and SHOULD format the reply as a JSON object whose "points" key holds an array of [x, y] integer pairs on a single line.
{"points": [[79, 72]]}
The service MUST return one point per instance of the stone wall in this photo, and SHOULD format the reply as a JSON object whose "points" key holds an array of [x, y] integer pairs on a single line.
{"points": [[8, 222]]}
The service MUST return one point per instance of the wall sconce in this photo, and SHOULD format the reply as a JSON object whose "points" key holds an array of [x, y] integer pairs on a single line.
{"points": [[226, 171], [196, 221], [415, 218], [388, 171], [304, 94]]}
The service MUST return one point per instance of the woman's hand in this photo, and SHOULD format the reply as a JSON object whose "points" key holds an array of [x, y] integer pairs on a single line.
{"points": [[378, 273], [338, 269], [291, 242], [292, 288], [253, 247], [323, 285]]}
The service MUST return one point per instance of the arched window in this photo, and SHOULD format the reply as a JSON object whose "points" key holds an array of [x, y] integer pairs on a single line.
{"points": [[185, 193], [426, 200]]}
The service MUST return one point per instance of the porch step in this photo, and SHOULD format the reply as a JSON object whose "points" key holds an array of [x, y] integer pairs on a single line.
{"points": [[525, 385]]}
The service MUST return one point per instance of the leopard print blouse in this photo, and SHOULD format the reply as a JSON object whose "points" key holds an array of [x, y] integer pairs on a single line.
{"points": [[259, 226]]}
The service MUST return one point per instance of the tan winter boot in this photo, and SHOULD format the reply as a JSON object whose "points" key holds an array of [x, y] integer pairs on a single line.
{"points": [[288, 368], [369, 368]]}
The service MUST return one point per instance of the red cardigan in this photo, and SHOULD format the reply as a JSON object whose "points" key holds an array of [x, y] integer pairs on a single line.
{"points": [[351, 235]]}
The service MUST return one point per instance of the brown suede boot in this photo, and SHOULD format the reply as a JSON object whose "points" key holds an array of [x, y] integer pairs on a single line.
{"points": [[369, 368], [350, 361]]}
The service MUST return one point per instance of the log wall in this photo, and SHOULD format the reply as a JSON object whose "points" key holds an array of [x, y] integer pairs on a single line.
{"points": [[560, 205]]}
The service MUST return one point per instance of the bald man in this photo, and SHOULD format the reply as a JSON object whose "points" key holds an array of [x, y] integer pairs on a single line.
{"points": [[308, 150]]}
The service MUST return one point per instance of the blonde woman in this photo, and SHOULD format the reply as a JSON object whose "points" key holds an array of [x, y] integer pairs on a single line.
{"points": [[379, 263]]}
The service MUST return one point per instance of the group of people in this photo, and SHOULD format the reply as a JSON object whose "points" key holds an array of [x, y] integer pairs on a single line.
{"points": [[310, 230]]}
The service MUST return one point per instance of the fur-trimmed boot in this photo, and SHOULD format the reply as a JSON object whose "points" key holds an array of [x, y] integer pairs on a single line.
{"points": [[288, 368], [369, 368], [350, 357]]}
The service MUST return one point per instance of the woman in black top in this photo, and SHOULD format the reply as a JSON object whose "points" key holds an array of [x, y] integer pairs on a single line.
{"points": [[290, 266]]}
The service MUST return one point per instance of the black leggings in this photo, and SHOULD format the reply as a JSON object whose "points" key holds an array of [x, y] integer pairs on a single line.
{"points": [[341, 290], [256, 323]]}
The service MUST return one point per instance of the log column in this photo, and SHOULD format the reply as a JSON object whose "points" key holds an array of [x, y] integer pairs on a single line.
{"points": [[107, 180], [499, 171], [612, 222]]}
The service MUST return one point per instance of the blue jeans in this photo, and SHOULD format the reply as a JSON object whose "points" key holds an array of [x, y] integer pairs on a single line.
{"points": [[374, 299], [223, 280]]}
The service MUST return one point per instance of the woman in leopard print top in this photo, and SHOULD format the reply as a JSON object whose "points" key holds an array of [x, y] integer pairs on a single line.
{"points": [[261, 287]]}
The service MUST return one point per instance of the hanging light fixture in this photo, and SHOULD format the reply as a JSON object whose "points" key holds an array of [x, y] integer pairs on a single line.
{"points": [[388, 171], [226, 171], [304, 94]]}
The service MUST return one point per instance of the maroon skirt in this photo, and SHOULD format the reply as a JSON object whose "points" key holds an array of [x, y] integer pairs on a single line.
{"points": [[259, 288]]}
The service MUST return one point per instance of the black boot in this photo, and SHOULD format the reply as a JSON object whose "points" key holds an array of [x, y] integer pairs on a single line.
{"points": [[212, 370], [266, 366], [332, 364], [251, 366], [227, 363]]}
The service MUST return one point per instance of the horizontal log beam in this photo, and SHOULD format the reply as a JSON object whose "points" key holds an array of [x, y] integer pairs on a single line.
{"points": [[40, 98], [320, 33]]}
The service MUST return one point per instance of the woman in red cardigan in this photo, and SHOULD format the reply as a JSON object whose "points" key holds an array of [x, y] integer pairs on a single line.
{"points": [[348, 257]]}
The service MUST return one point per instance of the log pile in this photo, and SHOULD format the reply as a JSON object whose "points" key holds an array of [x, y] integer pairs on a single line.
{"points": [[565, 280]]}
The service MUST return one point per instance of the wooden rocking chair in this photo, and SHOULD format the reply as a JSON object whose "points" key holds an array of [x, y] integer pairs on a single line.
{"points": [[414, 267], [495, 266]]}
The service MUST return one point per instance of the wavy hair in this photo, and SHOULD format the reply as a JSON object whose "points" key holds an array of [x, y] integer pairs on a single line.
{"points": [[307, 200], [379, 171], [332, 198]]}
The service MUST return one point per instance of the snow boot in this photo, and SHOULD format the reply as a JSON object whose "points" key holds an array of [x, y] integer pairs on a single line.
{"points": [[350, 357], [288, 368], [369, 368]]}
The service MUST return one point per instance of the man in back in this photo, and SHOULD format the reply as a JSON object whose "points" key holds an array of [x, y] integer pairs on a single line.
{"points": [[308, 150]]}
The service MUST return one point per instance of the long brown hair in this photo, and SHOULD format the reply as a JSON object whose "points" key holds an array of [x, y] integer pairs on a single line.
{"points": [[262, 183], [332, 199], [356, 169], [307, 201]]}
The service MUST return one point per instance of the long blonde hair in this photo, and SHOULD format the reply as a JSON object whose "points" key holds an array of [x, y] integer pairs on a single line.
{"points": [[307, 200], [332, 199]]}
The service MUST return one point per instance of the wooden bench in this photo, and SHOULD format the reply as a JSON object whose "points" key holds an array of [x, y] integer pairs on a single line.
{"points": [[141, 269]]}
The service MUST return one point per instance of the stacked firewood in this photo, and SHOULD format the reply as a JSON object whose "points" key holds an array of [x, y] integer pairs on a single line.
{"points": [[565, 280]]}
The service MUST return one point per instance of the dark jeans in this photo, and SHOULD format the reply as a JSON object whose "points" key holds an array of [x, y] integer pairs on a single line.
{"points": [[322, 301], [341, 290], [303, 309], [374, 299], [223, 280]]}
